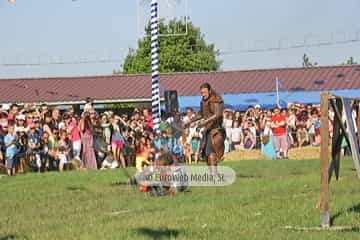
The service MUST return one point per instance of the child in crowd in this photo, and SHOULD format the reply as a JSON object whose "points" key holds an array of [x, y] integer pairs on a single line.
{"points": [[34, 142], [109, 162], [64, 150], [195, 146], [10, 141], [185, 142]]}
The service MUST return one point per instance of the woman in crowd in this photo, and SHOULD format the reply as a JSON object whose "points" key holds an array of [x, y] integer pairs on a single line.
{"points": [[267, 139], [236, 136], [117, 141], [64, 150], [105, 124], [228, 122], [88, 154], [291, 126], [253, 127], [75, 137], [249, 140]]}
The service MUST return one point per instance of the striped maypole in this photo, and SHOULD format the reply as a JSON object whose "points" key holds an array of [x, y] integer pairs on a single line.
{"points": [[155, 90]]}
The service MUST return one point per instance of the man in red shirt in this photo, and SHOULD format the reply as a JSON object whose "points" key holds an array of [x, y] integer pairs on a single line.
{"points": [[278, 127], [148, 119]]}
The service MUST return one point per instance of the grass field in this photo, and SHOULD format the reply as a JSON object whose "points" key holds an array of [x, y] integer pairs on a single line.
{"points": [[266, 197]]}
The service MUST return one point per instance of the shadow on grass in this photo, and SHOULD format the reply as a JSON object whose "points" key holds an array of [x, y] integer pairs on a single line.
{"points": [[353, 209], [353, 229], [320, 229], [120, 184], [240, 175], [13, 237], [158, 233], [75, 188]]}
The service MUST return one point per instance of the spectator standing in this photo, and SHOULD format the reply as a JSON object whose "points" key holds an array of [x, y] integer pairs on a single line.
{"points": [[278, 127], [252, 126], [185, 141], [177, 126], [10, 141], [149, 120], [56, 117], [34, 147], [117, 141], [75, 137], [228, 123], [189, 115], [268, 148], [88, 105], [20, 123], [105, 124], [249, 140], [64, 150], [195, 147], [236, 136], [88, 154]]}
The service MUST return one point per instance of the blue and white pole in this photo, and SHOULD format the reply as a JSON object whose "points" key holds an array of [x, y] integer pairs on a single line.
{"points": [[155, 89]]}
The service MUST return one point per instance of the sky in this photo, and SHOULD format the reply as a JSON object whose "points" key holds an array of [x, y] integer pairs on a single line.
{"points": [[48, 31]]}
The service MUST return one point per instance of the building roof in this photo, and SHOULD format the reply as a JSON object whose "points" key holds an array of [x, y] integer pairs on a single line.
{"points": [[138, 87]]}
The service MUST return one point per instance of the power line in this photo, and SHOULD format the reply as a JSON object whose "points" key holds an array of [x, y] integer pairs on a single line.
{"points": [[222, 53], [272, 49], [105, 60]]}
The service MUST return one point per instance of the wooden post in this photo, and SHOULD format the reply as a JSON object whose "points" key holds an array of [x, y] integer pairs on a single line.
{"points": [[324, 162]]}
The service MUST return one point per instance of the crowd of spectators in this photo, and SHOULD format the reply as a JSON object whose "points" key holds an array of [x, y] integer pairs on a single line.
{"points": [[277, 129], [47, 139]]}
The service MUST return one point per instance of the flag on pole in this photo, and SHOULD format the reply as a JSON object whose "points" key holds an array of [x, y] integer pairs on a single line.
{"points": [[279, 88]]}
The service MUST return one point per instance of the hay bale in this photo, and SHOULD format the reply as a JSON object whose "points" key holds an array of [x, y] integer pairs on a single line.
{"points": [[75, 164], [302, 153], [244, 155]]}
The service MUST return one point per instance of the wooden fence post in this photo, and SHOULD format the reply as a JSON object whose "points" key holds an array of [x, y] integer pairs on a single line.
{"points": [[324, 161]]}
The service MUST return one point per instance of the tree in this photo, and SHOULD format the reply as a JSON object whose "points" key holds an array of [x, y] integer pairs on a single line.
{"points": [[307, 62], [350, 61], [186, 53]]}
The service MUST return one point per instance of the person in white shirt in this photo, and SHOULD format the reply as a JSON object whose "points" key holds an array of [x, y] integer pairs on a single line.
{"points": [[89, 105], [228, 122], [20, 124], [189, 116], [109, 162], [236, 136]]}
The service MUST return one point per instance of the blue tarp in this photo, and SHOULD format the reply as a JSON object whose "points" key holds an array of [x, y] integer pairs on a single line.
{"points": [[266, 100]]}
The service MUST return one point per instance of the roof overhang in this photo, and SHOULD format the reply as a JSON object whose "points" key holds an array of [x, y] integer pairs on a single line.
{"points": [[99, 101]]}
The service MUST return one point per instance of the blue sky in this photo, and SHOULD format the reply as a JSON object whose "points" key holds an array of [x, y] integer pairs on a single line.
{"points": [[67, 30]]}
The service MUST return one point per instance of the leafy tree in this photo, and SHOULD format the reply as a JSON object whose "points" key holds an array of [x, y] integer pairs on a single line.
{"points": [[307, 62], [182, 53], [350, 61]]}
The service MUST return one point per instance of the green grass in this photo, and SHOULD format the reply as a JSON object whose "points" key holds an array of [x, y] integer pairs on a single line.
{"points": [[266, 197]]}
